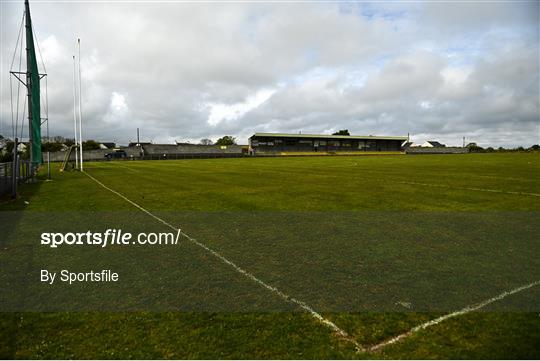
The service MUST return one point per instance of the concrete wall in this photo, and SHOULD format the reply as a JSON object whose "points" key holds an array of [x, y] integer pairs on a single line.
{"points": [[153, 151], [98, 154], [436, 150], [160, 149]]}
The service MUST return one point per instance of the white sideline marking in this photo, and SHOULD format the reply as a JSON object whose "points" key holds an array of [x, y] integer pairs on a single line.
{"points": [[471, 188], [94, 165], [451, 315], [237, 268]]}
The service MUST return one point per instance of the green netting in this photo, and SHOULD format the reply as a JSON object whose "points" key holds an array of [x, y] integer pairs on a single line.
{"points": [[33, 88]]}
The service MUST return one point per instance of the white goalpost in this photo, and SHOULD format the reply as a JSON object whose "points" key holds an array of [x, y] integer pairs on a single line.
{"points": [[77, 128], [80, 107]]}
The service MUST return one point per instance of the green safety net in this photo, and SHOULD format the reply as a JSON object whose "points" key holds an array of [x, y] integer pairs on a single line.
{"points": [[33, 88]]}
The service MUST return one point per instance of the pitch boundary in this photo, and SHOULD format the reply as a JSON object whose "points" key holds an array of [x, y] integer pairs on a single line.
{"points": [[340, 332], [463, 311], [470, 188], [304, 306]]}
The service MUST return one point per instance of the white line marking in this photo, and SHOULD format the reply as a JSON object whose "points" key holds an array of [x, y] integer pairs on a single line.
{"points": [[95, 165], [451, 315], [470, 188], [341, 333]]}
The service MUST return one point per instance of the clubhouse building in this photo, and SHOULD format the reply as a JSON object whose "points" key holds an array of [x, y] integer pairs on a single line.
{"points": [[268, 143]]}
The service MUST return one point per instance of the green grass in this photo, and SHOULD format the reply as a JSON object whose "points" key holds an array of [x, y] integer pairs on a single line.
{"points": [[348, 235]]}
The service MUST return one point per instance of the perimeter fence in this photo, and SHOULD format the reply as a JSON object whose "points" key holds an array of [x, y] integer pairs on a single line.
{"points": [[12, 174]]}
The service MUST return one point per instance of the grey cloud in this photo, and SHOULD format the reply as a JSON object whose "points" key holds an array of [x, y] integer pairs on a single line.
{"points": [[170, 61]]}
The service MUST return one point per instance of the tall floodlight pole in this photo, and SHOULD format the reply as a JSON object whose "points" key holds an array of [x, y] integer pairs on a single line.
{"points": [[80, 107], [75, 113]]}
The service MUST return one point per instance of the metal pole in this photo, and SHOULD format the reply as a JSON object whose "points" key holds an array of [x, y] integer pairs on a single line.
{"points": [[14, 171], [80, 110], [48, 165], [28, 28], [48, 140], [75, 113]]}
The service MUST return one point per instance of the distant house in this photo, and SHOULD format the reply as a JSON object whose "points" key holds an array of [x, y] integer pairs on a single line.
{"points": [[21, 147], [107, 145], [408, 144], [432, 144]]}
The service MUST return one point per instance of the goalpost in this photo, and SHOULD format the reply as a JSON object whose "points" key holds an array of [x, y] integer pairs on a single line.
{"points": [[77, 146]]}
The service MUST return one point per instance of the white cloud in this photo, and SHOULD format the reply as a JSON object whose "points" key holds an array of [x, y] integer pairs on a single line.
{"points": [[219, 111], [118, 109], [383, 68]]}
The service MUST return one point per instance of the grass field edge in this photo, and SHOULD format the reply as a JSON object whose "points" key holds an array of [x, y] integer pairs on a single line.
{"points": [[326, 322], [443, 318]]}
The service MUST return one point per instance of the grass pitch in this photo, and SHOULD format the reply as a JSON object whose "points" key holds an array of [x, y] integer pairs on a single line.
{"points": [[377, 245]]}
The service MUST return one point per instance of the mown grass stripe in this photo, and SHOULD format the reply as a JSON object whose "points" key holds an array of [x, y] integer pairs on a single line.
{"points": [[470, 188], [340, 332]]}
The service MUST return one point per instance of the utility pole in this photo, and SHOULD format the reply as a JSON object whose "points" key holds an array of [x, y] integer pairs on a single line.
{"points": [[463, 142], [138, 140]]}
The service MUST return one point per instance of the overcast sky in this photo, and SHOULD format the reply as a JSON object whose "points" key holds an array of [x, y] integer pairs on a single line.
{"points": [[186, 71]]}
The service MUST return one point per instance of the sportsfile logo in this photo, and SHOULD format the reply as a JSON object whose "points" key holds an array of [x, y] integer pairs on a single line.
{"points": [[108, 238]]}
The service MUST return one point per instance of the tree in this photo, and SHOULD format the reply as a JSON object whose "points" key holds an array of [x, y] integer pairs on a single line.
{"points": [[51, 146], [226, 140], [90, 145], [342, 132], [7, 154], [473, 147], [535, 147], [9, 146], [206, 141]]}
